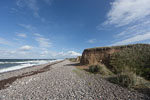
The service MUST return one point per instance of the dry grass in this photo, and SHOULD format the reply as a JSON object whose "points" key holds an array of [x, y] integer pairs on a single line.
{"points": [[126, 78], [72, 59], [82, 67], [103, 70], [137, 59], [78, 72]]}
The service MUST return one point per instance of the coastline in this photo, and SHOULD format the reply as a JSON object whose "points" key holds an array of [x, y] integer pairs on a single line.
{"points": [[62, 80], [7, 78], [18, 67]]}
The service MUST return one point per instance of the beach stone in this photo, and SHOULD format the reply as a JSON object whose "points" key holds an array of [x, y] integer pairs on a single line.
{"points": [[65, 82]]}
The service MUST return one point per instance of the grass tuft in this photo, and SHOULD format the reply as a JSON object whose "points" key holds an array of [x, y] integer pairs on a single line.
{"points": [[137, 59], [101, 69], [94, 68]]}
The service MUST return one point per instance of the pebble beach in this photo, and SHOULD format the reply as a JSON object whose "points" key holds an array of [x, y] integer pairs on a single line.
{"points": [[61, 81]]}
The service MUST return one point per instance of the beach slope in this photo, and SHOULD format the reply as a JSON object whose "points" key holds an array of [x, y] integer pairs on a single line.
{"points": [[63, 81]]}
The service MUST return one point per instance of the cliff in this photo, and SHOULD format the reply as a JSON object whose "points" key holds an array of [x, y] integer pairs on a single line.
{"points": [[102, 54]]}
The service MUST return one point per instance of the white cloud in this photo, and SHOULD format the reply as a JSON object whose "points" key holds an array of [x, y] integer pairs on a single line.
{"points": [[73, 53], [48, 54], [28, 27], [26, 48], [5, 54], [37, 34], [92, 41], [35, 54], [68, 54], [23, 35], [18, 54], [131, 18], [43, 42], [52, 54], [138, 28], [14, 10], [124, 12], [31, 4], [5, 42], [134, 39], [44, 52]]}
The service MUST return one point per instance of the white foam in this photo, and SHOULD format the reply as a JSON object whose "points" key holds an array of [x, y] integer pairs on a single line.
{"points": [[13, 62], [28, 64]]}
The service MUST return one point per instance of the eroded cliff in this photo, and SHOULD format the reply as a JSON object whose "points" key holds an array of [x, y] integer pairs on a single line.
{"points": [[101, 54]]}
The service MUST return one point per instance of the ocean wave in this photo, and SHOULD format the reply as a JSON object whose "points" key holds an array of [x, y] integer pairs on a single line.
{"points": [[27, 64]]}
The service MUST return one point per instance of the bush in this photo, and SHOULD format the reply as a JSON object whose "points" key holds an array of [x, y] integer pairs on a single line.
{"points": [[72, 59], [136, 58], [125, 79], [101, 69], [94, 68]]}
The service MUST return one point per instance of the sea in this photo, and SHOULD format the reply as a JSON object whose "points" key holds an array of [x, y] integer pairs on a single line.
{"points": [[15, 64]]}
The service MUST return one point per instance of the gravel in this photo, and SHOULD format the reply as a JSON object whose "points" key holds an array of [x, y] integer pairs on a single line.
{"points": [[65, 82]]}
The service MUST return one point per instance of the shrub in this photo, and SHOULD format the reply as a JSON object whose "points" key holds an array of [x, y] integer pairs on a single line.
{"points": [[125, 79], [136, 58], [94, 68], [72, 59], [103, 70]]}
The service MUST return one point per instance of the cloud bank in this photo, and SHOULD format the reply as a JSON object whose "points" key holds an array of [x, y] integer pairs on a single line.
{"points": [[42, 41], [26, 48], [23, 35], [124, 12], [132, 17]]}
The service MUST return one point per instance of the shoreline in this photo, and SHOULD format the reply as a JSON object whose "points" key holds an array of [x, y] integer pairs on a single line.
{"points": [[15, 68], [59, 81], [7, 78]]}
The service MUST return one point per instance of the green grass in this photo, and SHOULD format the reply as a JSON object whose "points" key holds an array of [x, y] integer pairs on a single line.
{"points": [[136, 59], [100, 69], [116, 47], [130, 67], [124, 79], [78, 72], [94, 68], [72, 59]]}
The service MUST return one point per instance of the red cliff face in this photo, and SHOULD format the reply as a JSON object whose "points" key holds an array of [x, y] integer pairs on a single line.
{"points": [[100, 55]]}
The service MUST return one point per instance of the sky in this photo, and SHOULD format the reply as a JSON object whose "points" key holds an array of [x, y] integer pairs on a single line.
{"points": [[45, 29]]}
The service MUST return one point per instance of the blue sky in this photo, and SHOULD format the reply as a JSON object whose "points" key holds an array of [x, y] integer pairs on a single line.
{"points": [[64, 28]]}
